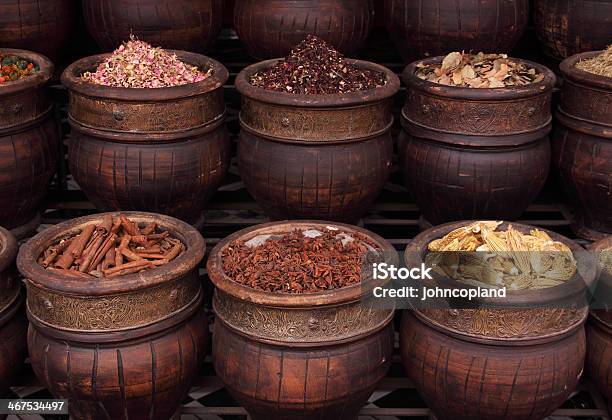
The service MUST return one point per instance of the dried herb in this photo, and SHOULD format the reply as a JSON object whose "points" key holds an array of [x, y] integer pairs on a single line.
{"points": [[13, 68], [601, 64], [314, 67], [116, 247], [502, 258], [478, 71], [299, 261], [136, 64]]}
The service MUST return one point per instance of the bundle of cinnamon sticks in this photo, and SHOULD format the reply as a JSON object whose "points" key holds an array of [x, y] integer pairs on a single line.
{"points": [[116, 247]]}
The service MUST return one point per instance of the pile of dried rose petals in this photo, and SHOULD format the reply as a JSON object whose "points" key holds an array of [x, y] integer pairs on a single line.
{"points": [[136, 64], [478, 71], [314, 67], [601, 64]]}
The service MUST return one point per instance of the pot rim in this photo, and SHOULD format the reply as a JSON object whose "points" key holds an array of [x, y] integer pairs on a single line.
{"points": [[533, 297], [42, 278], [8, 249], [317, 101], [570, 71], [601, 244], [72, 80], [31, 82], [477, 94], [343, 295]]}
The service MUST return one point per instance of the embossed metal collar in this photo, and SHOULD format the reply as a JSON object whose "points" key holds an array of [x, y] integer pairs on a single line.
{"points": [[120, 312], [327, 325]]}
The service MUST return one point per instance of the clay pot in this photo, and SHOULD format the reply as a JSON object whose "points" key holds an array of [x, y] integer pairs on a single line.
{"points": [[271, 28], [431, 28], [599, 328], [123, 347], [315, 156], [13, 323], [515, 358], [164, 150], [565, 28], [582, 147], [29, 145], [190, 25], [333, 348], [44, 26], [469, 153]]}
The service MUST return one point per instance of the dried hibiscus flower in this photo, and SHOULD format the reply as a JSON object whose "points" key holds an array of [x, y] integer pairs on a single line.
{"points": [[314, 67]]}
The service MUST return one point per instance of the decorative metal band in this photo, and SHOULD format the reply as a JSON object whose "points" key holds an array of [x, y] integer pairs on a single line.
{"points": [[23, 109], [323, 125], [113, 312], [147, 117], [587, 103], [307, 326], [478, 117], [516, 323]]}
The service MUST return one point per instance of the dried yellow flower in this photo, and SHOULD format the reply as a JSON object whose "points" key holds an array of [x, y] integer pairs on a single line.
{"points": [[507, 258]]}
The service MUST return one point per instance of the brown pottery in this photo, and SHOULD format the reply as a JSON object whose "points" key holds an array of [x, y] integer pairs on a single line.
{"points": [[29, 145], [315, 156], [13, 322], [190, 25], [598, 363], [515, 358], [469, 153], [123, 347], [270, 28], [164, 150], [288, 357], [436, 27], [565, 28], [44, 26], [582, 147]]}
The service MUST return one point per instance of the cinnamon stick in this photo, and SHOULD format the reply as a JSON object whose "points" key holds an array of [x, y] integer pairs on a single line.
{"points": [[149, 229], [104, 248], [132, 256], [129, 226], [61, 247], [90, 253], [109, 259], [106, 226], [133, 264], [76, 248]]}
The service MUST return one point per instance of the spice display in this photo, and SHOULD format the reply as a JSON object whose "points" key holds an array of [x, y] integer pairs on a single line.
{"points": [[116, 247], [136, 64], [601, 64], [478, 71], [502, 258], [14, 68], [298, 262], [314, 67]]}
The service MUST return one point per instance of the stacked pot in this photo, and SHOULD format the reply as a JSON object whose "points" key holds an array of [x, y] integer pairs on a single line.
{"points": [[165, 150], [565, 28], [515, 358], [599, 326], [431, 28], [191, 25], [470, 153], [271, 28], [582, 147], [13, 323], [44, 26], [29, 145], [315, 156], [286, 356], [122, 347]]}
